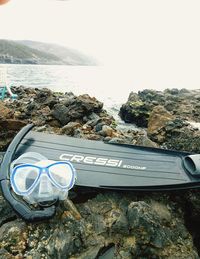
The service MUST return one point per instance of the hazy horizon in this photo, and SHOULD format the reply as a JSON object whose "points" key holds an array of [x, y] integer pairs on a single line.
{"points": [[155, 43]]}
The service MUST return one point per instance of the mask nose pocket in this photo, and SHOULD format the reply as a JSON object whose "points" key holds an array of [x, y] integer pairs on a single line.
{"points": [[45, 188]]}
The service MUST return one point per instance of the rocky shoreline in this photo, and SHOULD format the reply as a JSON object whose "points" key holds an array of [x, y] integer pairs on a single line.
{"points": [[109, 224]]}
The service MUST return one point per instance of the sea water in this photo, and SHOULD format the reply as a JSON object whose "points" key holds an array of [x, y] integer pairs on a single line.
{"points": [[111, 85]]}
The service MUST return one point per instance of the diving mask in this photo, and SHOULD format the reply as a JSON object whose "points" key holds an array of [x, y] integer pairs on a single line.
{"points": [[36, 179], [40, 180]]}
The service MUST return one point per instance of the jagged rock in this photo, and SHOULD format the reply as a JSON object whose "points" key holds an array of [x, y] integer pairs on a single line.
{"points": [[143, 220], [5, 112], [60, 113], [114, 140], [145, 141], [6, 213], [89, 104], [13, 237], [5, 255], [8, 129], [112, 224], [152, 97], [179, 135], [11, 124], [106, 131], [135, 112], [182, 103], [70, 128], [157, 121], [77, 108]]}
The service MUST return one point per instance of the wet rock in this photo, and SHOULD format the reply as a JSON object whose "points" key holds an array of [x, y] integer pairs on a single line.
{"points": [[135, 112]]}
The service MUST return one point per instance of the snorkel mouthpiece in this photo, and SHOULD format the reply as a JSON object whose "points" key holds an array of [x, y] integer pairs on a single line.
{"points": [[34, 180]]}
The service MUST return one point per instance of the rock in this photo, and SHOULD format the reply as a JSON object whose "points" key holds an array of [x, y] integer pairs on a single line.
{"points": [[99, 126], [135, 112], [192, 210], [8, 129], [7, 214], [173, 91], [106, 131], [13, 237], [149, 96], [43, 96], [5, 112], [76, 108], [5, 255], [89, 253], [143, 221], [89, 104], [114, 140], [70, 128], [142, 228], [182, 103], [119, 225], [145, 141], [184, 138], [60, 113], [157, 121], [41, 128], [12, 124]]}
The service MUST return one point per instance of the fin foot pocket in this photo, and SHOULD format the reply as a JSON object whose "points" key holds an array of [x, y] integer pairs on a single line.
{"points": [[192, 164]]}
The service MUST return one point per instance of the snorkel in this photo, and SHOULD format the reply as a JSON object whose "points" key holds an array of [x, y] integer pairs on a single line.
{"points": [[44, 211]]}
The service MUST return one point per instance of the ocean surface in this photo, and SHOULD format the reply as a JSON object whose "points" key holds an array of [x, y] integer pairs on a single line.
{"points": [[106, 84], [110, 85]]}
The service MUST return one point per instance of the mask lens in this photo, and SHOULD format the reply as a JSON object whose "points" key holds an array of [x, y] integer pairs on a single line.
{"points": [[62, 174], [24, 177]]}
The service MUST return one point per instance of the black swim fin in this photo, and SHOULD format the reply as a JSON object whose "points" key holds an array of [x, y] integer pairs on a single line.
{"points": [[116, 166]]}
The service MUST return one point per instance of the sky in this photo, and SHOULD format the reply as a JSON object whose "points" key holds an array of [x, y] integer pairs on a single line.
{"points": [[156, 40]]}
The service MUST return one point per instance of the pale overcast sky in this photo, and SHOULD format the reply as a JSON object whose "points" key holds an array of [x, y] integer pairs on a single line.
{"points": [[154, 38]]}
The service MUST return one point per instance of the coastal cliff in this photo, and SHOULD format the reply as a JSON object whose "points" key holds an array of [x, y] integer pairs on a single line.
{"points": [[33, 52]]}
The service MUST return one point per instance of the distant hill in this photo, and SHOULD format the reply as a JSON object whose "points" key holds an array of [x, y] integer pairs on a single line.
{"points": [[33, 52], [69, 56]]}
